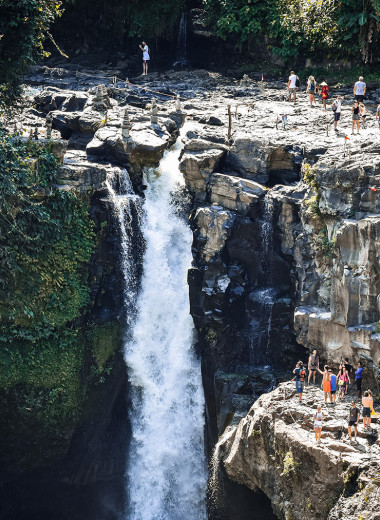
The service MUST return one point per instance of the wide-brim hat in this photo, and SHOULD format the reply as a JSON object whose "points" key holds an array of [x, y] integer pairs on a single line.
{"points": [[323, 84]]}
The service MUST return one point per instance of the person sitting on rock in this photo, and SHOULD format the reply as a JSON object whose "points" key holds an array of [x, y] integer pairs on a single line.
{"points": [[300, 374], [343, 380], [313, 365], [353, 419], [333, 381], [318, 418], [326, 385], [367, 403]]}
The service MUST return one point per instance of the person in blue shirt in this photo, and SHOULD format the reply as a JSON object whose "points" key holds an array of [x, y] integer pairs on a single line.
{"points": [[333, 385], [358, 378], [300, 374]]}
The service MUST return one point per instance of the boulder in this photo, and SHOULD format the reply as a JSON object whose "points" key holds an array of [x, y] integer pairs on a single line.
{"points": [[234, 193], [274, 449]]}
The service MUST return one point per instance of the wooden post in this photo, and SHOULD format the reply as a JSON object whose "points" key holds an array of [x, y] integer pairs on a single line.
{"points": [[229, 122]]}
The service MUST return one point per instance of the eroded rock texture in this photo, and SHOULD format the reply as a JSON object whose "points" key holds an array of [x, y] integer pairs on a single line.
{"points": [[273, 448]]}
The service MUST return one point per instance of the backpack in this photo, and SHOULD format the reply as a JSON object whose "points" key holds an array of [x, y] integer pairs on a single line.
{"points": [[302, 374], [297, 82]]}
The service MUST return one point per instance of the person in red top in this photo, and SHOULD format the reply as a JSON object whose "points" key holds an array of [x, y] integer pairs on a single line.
{"points": [[324, 91]]}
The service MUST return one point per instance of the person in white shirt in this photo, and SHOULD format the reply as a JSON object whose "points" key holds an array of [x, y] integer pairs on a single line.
{"points": [[292, 86], [146, 57], [360, 89], [337, 108]]}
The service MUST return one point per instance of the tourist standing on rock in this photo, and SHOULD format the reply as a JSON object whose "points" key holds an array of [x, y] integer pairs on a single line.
{"points": [[326, 384], [311, 88], [355, 117], [337, 109], [367, 403], [333, 381], [300, 374], [292, 86], [318, 418], [146, 57], [353, 419], [363, 114], [359, 378], [313, 365], [349, 369], [360, 88], [324, 90], [343, 380]]}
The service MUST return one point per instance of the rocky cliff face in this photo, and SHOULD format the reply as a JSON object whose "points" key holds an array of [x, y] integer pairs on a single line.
{"points": [[273, 448], [285, 247]]}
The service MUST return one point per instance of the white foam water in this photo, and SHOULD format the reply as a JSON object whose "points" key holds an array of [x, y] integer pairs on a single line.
{"points": [[166, 469]]}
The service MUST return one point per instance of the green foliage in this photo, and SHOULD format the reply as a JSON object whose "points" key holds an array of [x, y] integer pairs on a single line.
{"points": [[46, 242], [332, 28], [46, 239], [24, 25], [324, 245], [290, 466]]}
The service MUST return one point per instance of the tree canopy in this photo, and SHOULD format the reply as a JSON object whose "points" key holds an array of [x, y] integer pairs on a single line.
{"points": [[342, 28], [24, 25]]}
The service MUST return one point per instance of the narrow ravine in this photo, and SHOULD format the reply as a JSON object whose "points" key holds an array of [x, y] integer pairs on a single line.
{"points": [[166, 470]]}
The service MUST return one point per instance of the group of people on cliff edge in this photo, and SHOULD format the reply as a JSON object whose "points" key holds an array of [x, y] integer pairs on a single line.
{"points": [[331, 384]]}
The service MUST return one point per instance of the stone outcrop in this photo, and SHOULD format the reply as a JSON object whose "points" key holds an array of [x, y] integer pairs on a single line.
{"points": [[273, 448]]}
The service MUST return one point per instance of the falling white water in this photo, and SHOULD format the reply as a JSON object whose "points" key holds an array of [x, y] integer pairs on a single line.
{"points": [[215, 490], [166, 475], [128, 210]]}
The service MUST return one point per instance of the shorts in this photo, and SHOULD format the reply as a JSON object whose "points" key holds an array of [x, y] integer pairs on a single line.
{"points": [[333, 392], [344, 386], [355, 117], [358, 384], [326, 386], [300, 386], [352, 423], [336, 116], [146, 61], [317, 424], [366, 411], [364, 116], [359, 97], [292, 91], [314, 369]]}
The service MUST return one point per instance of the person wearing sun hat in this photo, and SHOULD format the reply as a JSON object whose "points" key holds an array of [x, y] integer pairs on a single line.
{"points": [[324, 91]]}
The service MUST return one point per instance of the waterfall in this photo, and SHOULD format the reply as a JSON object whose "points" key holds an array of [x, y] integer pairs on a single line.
{"points": [[181, 57], [128, 210], [265, 296], [166, 474]]}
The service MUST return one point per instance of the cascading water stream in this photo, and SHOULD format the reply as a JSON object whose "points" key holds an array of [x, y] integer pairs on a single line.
{"points": [[166, 474], [128, 209], [181, 57]]}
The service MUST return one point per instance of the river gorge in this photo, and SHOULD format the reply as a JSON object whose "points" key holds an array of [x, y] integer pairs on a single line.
{"points": [[227, 247]]}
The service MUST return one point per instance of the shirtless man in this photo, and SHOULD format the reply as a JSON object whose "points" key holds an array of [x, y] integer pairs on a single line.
{"points": [[313, 366]]}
